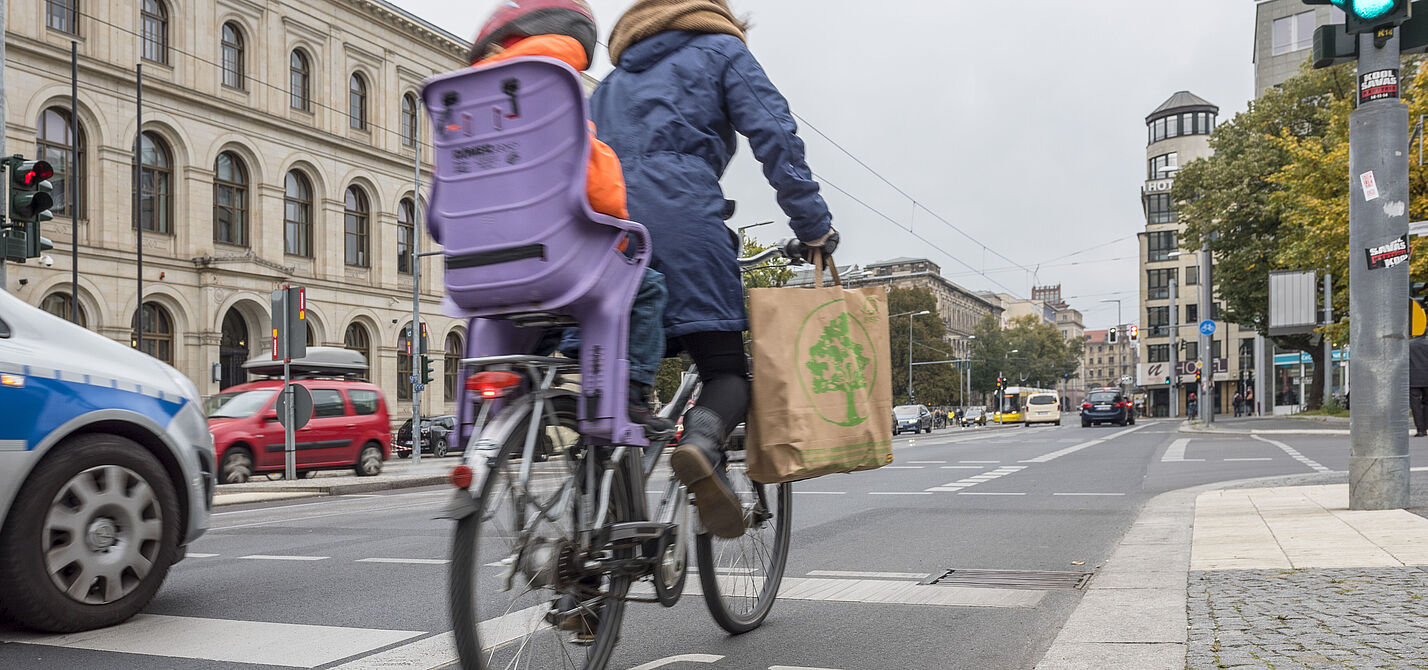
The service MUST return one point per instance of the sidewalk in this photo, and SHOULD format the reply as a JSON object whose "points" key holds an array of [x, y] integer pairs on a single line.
{"points": [[1269, 425], [1280, 576], [396, 474]]}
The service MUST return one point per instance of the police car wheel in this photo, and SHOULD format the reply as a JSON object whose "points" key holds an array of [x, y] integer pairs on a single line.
{"points": [[369, 462], [91, 536]]}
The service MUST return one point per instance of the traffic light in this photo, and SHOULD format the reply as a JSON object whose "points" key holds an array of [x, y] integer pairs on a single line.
{"points": [[1112, 336], [1167, 380], [426, 375], [1364, 16], [1134, 333], [29, 206], [1198, 366]]}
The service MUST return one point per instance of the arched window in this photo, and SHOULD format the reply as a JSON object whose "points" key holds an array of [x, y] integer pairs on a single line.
{"points": [[230, 200], [358, 218], [404, 364], [452, 364], [158, 332], [62, 15], [299, 81], [409, 120], [55, 144], [233, 57], [356, 339], [155, 213], [154, 27], [357, 101], [233, 350], [406, 233], [60, 304], [297, 215]]}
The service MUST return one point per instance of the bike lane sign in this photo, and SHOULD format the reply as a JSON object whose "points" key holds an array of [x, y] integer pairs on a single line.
{"points": [[1207, 327]]}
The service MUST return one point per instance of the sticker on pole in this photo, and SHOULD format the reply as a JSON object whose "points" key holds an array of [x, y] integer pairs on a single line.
{"points": [[1388, 255], [1378, 85], [1370, 186]]}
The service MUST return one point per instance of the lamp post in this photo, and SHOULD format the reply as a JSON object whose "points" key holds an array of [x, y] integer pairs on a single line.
{"points": [[909, 316], [744, 228]]}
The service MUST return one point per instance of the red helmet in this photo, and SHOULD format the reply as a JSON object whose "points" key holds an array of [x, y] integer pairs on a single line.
{"points": [[526, 18]]}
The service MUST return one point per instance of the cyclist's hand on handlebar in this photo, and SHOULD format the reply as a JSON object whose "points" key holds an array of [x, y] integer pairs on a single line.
{"points": [[798, 249], [828, 243]]}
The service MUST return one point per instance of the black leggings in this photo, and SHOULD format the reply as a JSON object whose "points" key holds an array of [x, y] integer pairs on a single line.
{"points": [[724, 369]]}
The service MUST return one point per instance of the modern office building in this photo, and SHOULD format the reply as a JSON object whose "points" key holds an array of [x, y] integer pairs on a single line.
{"points": [[1178, 133], [1283, 38], [278, 145]]}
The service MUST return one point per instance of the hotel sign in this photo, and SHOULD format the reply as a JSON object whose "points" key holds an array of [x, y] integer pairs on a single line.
{"points": [[1159, 186]]}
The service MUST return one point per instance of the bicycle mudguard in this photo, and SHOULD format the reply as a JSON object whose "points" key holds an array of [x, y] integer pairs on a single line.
{"points": [[460, 506]]}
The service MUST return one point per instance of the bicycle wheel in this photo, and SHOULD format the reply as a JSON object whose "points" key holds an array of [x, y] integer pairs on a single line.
{"points": [[740, 577], [517, 588]]}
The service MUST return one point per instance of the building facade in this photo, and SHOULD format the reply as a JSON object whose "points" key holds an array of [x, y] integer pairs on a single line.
{"points": [[1107, 363], [1284, 38], [277, 145], [1179, 132], [1073, 329]]}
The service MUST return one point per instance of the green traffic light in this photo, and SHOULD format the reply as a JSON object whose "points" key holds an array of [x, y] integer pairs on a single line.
{"points": [[1367, 9]]}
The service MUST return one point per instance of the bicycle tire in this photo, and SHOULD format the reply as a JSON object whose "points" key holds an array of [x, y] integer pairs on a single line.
{"points": [[740, 577], [517, 630]]}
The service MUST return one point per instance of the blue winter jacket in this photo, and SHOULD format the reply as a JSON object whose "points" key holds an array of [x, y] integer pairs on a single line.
{"points": [[670, 111]]}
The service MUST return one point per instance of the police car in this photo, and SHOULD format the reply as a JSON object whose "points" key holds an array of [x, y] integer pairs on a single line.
{"points": [[106, 473]]}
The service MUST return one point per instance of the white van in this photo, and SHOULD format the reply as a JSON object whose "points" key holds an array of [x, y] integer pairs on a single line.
{"points": [[1042, 408]]}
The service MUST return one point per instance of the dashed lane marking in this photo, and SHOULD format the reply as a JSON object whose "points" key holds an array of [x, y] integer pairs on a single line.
{"points": [[1088, 494], [1294, 454], [1230, 460], [987, 493], [407, 561], [901, 467], [1176, 453], [987, 462], [194, 555], [821, 493], [973, 481], [268, 557], [962, 467], [899, 493], [926, 462]]}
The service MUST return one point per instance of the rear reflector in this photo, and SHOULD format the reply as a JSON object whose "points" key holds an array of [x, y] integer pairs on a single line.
{"points": [[461, 476], [493, 383]]}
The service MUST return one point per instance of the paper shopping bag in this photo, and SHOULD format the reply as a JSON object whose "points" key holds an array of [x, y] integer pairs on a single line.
{"points": [[822, 393]]}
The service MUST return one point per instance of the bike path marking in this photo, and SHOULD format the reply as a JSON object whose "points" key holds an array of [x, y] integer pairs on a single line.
{"points": [[1294, 454], [1176, 453]]}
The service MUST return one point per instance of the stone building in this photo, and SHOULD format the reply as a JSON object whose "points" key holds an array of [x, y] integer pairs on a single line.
{"points": [[278, 146], [1108, 364], [1284, 38]]}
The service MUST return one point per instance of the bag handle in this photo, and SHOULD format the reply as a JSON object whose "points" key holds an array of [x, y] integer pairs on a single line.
{"points": [[819, 262]]}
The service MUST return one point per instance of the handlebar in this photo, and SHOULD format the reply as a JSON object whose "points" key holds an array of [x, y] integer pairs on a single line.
{"points": [[790, 249]]}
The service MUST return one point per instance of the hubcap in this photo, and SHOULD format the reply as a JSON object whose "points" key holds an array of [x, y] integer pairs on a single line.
{"points": [[102, 534]]}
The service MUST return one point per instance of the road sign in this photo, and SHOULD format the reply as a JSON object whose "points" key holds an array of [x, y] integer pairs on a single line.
{"points": [[1417, 319], [1207, 327], [302, 406]]}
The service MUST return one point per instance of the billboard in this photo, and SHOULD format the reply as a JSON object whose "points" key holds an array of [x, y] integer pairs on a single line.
{"points": [[1292, 302]]}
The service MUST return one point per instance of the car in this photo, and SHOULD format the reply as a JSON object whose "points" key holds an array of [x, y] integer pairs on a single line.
{"points": [[1107, 405], [1042, 408], [973, 417], [911, 418], [106, 473], [349, 427], [436, 437]]}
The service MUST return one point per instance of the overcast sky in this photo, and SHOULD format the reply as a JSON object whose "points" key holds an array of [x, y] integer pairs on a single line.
{"points": [[1027, 133]]}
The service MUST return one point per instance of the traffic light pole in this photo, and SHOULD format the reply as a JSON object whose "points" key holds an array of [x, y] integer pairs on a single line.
{"points": [[1378, 219], [413, 337], [1174, 355], [1207, 389]]}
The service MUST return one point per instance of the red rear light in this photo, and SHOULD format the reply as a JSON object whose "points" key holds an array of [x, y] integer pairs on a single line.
{"points": [[461, 476], [493, 383], [1085, 405]]}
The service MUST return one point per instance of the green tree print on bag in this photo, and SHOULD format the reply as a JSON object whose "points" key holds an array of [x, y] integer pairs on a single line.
{"points": [[836, 355], [837, 363]]}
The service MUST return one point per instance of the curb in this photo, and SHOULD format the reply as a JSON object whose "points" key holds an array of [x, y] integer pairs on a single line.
{"points": [[1133, 615], [245, 493], [1200, 429]]}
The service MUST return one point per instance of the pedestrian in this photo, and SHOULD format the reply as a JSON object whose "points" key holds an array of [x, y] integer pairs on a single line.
{"points": [[1239, 402], [1250, 409], [1418, 383], [684, 83], [1191, 405]]}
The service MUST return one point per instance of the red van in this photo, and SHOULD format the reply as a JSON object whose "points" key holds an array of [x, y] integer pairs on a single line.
{"points": [[349, 428]]}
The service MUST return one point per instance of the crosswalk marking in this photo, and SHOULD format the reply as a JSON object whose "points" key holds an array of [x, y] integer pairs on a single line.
{"points": [[977, 479]]}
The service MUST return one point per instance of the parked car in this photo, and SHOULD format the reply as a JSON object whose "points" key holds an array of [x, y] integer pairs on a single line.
{"points": [[1042, 408], [974, 417], [911, 418], [106, 473], [437, 433], [349, 427], [1107, 405]]}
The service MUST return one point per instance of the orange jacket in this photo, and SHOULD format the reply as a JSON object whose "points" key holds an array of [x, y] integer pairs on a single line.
{"points": [[604, 182]]}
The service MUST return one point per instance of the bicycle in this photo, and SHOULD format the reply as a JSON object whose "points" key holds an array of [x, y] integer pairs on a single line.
{"points": [[563, 537]]}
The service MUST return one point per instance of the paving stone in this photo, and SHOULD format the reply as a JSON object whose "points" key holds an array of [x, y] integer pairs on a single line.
{"points": [[1315, 618]]}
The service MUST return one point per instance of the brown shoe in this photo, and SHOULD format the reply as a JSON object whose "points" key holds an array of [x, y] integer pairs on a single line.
{"points": [[719, 508]]}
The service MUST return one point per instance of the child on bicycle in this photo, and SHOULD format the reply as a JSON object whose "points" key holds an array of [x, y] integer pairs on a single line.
{"points": [[565, 30], [684, 82]]}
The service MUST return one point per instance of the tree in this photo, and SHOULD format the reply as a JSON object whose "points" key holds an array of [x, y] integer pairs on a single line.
{"points": [[932, 384], [1275, 196], [1028, 352], [837, 362]]}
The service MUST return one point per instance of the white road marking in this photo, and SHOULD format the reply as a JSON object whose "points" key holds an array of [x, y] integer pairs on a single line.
{"points": [[989, 462], [427, 652], [796, 667], [821, 493], [406, 561], [1088, 494], [985, 493], [1294, 454], [978, 479], [194, 555], [867, 575], [232, 641], [927, 462], [1077, 447], [962, 467], [902, 467], [267, 557], [1176, 453], [682, 658], [898, 493], [1228, 460]]}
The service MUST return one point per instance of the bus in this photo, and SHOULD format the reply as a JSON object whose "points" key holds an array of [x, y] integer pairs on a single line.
{"points": [[1012, 401]]}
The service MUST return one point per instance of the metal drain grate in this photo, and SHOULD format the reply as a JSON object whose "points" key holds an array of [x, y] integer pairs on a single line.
{"points": [[1012, 579]]}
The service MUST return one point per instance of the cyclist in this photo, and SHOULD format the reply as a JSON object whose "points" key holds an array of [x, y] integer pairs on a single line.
{"points": [[683, 84], [565, 30]]}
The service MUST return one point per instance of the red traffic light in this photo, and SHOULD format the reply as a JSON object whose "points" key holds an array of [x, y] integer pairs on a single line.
{"points": [[38, 172]]}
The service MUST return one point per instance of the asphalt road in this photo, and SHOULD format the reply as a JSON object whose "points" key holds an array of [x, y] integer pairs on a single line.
{"points": [[352, 582]]}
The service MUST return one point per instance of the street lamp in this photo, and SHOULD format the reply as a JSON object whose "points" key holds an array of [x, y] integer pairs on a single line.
{"points": [[909, 316], [967, 375], [744, 228]]}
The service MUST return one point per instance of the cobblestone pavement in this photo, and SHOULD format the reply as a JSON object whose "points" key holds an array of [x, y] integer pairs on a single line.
{"points": [[1320, 618]]}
